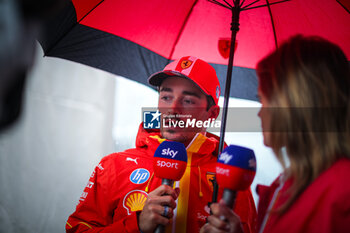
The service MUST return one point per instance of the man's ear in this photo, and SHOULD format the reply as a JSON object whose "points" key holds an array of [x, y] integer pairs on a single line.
{"points": [[213, 112]]}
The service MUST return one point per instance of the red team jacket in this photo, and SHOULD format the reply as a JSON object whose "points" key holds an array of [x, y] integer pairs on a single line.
{"points": [[119, 185], [323, 207]]}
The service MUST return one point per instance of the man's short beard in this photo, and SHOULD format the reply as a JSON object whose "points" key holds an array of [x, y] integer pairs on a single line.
{"points": [[178, 138]]}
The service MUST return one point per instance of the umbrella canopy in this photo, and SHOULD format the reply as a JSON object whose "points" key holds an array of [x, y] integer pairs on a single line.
{"points": [[136, 38]]}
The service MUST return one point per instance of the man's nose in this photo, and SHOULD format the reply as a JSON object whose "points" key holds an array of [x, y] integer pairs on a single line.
{"points": [[175, 106]]}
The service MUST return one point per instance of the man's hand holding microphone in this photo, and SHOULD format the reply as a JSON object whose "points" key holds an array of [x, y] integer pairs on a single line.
{"points": [[170, 160]]}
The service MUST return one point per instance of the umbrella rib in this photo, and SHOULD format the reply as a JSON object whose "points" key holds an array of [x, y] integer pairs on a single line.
{"points": [[250, 4], [67, 31], [272, 23], [228, 3], [90, 11], [219, 3], [343, 6], [182, 29], [254, 7]]}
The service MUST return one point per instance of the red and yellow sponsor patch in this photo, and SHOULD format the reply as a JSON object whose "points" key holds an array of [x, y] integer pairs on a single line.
{"points": [[210, 177], [134, 200]]}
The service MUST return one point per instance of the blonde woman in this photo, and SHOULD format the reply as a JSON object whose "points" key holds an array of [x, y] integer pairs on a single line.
{"points": [[304, 87]]}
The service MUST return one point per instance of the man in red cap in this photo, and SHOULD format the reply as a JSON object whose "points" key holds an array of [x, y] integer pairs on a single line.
{"points": [[188, 88], [123, 195]]}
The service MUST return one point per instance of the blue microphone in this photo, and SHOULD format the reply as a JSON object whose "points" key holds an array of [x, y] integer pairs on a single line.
{"points": [[169, 164], [235, 170]]}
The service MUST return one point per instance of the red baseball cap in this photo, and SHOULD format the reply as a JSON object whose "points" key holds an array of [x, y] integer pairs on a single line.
{"points": [[194, 69]]}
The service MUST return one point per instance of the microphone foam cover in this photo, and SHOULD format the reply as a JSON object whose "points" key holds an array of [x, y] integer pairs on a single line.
{"points": [[170, 160], [236, 168]]}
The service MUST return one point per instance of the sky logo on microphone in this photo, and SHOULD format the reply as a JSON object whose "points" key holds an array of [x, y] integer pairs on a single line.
{"points": [[169, 152], [238, 156], [139, 176], [225, 157], [151, 119]]}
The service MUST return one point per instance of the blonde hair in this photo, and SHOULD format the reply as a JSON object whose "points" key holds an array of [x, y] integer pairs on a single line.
{"points": [[308, 80]]}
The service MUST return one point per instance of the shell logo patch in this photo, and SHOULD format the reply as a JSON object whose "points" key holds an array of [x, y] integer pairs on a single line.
{"points": [[186, 63], [210, 177], [134, 200]]}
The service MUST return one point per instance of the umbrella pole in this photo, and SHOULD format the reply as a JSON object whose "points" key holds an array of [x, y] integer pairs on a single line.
{"points": [[234, 29]]}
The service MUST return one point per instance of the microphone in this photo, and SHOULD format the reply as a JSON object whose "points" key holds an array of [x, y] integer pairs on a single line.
{"points": [[235, 170], [169, 164]]}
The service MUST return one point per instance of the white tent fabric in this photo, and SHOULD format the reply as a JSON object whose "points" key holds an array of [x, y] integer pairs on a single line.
{"points": [[74, 115], [47, 157]]}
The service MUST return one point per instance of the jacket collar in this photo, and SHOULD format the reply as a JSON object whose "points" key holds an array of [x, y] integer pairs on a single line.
{"points": [[200, 145]]}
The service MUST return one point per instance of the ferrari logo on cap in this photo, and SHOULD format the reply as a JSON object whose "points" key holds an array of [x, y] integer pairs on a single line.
{"points": [[186, 63]]}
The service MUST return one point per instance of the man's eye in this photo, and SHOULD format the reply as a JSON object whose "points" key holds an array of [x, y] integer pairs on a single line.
{"points": [[188, 101], [165, 98]]}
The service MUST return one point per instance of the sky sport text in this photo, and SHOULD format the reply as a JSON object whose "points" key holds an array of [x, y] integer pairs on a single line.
{"points": [[167, 164], [171, 153]]}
